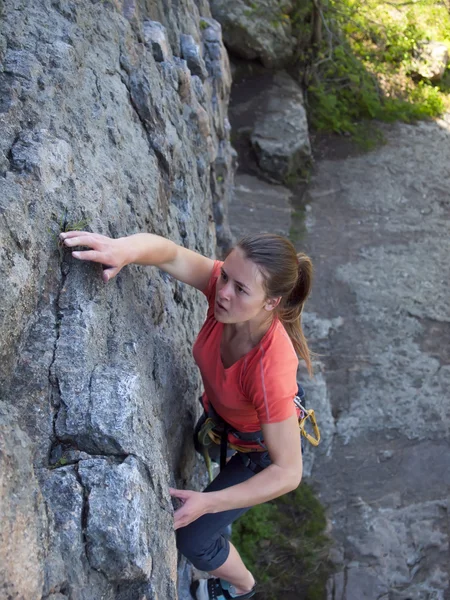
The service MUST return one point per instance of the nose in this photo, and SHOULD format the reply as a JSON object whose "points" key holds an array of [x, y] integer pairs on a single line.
{"points": [[224, 291]]}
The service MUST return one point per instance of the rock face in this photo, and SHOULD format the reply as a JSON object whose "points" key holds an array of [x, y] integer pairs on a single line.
{"points": [[22, 512], [112, 119], [257, 30]]}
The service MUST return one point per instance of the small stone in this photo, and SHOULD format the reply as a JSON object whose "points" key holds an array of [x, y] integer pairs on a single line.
{"points": [[386, 455]]}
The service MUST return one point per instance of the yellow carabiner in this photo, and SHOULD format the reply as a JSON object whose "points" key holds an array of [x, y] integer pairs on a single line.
{"points": [[309, 414]]}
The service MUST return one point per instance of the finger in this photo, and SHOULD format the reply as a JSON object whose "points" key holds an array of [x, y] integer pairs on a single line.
{"points": [[181, 519], [70, 234], [179, 493], [92, 255], [109, 273], [81, 240]]}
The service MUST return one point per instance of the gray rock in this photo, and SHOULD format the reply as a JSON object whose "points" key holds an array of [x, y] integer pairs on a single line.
{"points": [[191, 53], [378, 227], [259, 206], [280, 136], [259, 30], [104, 128], [48, 158], [431, 61], [22, 512], [378, 319], [156, 38], [318, 398], [121, 540]]}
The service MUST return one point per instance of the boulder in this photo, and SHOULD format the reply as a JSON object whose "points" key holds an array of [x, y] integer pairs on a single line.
{"points": [[280, 136], [431, 61], [256, 31]]}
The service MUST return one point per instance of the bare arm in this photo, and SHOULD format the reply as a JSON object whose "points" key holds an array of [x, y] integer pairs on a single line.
{"points": [[142, 249], [282, 476]]}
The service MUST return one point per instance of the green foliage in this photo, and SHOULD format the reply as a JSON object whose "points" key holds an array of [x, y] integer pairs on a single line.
{"points": [[253, 528], [362, 68], [62, 462], [284, 545]]}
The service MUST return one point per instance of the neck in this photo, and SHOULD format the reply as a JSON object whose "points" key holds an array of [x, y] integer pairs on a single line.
{"points": [[253, 330]]}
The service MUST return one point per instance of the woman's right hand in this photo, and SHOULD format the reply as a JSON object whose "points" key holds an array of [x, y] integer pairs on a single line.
{"points": [[110, 252]]}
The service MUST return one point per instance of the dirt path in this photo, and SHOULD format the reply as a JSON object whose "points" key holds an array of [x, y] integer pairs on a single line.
{"points": [[378, 229]]}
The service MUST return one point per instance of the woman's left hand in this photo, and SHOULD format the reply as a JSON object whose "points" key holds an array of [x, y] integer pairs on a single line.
{"points": [[194, 505]]}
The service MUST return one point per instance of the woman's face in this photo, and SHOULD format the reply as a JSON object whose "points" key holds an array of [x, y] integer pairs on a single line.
{"points": [[240, 294]]}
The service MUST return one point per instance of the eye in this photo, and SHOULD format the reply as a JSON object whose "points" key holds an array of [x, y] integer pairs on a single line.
{"points": [[224, 276], [240, 289]]}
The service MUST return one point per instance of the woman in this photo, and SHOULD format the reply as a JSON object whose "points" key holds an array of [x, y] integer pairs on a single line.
{"points": [[247, 354]]}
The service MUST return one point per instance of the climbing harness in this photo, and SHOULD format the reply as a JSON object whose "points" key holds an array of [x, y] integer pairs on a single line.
{"points": [[212, 429]]}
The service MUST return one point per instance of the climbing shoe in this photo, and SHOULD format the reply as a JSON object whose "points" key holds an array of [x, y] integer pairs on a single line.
{"points": [[217, 589]]}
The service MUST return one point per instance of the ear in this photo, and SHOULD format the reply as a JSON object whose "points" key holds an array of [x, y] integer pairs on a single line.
{"points": [[272, 303]]}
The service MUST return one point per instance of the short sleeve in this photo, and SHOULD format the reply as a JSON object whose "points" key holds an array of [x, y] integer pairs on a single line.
{"points": [[210, 289], [273, 386]]}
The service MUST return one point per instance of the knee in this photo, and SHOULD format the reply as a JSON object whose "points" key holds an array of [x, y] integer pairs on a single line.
{"points": [[205, 557], [185, 543]]}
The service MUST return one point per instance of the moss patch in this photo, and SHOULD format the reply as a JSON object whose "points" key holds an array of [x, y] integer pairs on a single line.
{"points": [[284, 544]]}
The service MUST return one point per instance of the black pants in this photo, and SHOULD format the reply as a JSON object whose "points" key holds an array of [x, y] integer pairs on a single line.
{"points": [[203, 541]]}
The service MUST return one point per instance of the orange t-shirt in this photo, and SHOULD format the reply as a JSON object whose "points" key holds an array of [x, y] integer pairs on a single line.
{"points": [[260, 386]]}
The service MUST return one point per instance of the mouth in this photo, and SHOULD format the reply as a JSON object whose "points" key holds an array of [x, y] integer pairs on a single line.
{"points": [[220, 307]]}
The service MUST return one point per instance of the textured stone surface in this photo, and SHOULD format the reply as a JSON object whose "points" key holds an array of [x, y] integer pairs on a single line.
{"points": [[280, 136], [104, 125], [259, 30], [258, 206], [22, 513], [378, 233], [270, 129], [124, 539]]}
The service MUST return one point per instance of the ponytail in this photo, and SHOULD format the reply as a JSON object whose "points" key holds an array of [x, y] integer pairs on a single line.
{"points": [[290, 311], [286, 274]]}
